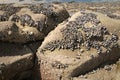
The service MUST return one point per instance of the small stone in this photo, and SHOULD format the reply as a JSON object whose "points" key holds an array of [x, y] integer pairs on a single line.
{"points": [[18, 64], [58, 66], [92, 56], [107, 67], [79, 54], [9, 32], [81, 76], [0, 72], [77, 57], [81, 50], [31, 33], [2, 65]]}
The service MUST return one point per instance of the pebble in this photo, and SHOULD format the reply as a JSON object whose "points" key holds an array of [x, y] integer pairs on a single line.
{"points": [[0, 72], [81, 50], [31, 33], [77, 57], [9, 32], [107, 67], [92, 56]]}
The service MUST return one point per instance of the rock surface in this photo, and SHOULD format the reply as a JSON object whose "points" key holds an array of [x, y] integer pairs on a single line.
{"points": [[20, 26], [30, 23], [9, 31], [16, 61], [78, 46], [106, 72], [62, 56]]}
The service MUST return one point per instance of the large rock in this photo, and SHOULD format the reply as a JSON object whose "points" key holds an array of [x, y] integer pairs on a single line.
{"points": [[16, 61], [32, 25], [78, 46], [49, 15], [9, 31]]}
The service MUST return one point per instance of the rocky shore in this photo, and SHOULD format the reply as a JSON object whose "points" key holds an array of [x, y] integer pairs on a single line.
{"points": [[60, 41]]}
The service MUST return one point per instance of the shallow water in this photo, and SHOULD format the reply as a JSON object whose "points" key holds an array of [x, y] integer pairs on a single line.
{"points": [[37, 1]]}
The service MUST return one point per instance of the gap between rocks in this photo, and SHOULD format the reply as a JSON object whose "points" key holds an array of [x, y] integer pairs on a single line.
{"points": [[33, 46]]}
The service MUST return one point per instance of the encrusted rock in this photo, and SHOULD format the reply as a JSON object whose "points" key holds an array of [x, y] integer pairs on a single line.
{"points": [[9, 10], [77, 32], [30, 25], [83, 31], [56, 12]]}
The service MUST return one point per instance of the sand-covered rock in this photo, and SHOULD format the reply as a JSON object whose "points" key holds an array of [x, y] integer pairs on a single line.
{"points": [[78, 46], [16, 61]]}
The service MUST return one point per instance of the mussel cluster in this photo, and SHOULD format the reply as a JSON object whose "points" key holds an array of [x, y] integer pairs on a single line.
{"points": [[27, 20], [77, 34], [15, 18], [8, 11], [113, 16], [46, 9], [59, 65], [3, 18]]}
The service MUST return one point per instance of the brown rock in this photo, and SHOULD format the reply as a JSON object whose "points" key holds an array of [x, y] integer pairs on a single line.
{"points": [[16, 61], [57, 54], [107, 72], [11, 32], [34, 29]]}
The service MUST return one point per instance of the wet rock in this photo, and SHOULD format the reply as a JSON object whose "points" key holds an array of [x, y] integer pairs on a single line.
{"points": [[80, 32], [16, 61]]}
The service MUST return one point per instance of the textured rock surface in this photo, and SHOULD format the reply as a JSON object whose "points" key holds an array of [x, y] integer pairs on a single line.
{"points": [[78, 46], [29, 23], [65, 57], [106, 72], [9, 31], [16, 61]]}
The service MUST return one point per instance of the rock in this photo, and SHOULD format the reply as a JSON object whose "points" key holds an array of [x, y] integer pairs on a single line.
{"points": [[30, 25], [111, 73], [54, 11], [16, 61], [109, 23], [117, 76], [9, 31], [84, 30], [49, 15]]}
